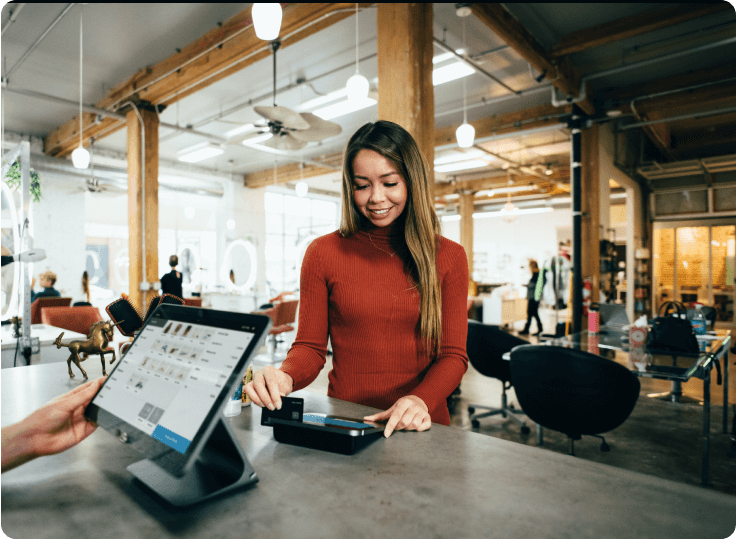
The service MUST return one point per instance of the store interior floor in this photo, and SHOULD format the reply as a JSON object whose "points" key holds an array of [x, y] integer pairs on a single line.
{"points": [[660, 438]]}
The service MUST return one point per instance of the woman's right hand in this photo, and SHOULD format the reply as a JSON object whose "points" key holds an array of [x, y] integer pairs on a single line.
{"points": [[268, 386]]}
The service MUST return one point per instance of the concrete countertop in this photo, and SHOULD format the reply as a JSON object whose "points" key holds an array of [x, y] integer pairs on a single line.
{"points": [[445, 482]]}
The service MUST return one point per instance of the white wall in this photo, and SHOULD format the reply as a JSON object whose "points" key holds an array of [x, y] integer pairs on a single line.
{"points": [[58, 227], [503, 249]]}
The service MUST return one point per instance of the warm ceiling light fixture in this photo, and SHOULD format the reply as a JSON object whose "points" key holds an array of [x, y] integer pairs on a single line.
{"points": [[80, 156], [267, 20], [357, 85], [465, 134]]}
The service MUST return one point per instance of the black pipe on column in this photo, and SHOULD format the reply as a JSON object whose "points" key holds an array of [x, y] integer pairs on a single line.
{"points": [[575, 176]]}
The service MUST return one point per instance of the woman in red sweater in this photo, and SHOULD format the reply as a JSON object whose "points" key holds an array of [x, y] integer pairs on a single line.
{"points": [[388, 291]]}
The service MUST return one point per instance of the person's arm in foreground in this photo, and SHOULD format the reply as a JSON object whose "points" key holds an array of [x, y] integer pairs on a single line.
{"points": [[53, 428]]}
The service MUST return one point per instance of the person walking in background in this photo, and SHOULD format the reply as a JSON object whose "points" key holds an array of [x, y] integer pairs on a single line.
{"points": [[48, 280], [533, 295], [171, 282]]}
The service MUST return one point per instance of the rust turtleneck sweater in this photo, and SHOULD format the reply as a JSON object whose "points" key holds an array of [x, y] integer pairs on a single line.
{"points": [[356, 293]]}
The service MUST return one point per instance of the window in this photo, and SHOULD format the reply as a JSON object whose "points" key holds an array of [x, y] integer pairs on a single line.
{"points": [[289, 221]]}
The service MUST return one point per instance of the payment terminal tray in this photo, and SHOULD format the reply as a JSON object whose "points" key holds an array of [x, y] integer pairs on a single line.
{"points": [[346, 442]]}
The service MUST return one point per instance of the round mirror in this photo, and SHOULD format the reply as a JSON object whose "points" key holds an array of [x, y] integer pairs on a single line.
{"points": [[239, 265]]}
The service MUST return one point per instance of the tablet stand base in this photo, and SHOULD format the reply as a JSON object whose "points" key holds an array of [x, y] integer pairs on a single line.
{"points": [[220, 467]]}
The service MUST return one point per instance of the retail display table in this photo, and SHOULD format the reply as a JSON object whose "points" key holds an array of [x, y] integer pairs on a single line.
{"points": [[445, 482]]}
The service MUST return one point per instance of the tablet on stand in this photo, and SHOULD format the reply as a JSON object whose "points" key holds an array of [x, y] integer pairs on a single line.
{"points": [[165, 398]]}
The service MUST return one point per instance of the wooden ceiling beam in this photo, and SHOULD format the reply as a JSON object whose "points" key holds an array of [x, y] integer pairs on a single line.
{"points": [[511, 122], [493, 182], [216, 55], [650, 21], [558, 71]]}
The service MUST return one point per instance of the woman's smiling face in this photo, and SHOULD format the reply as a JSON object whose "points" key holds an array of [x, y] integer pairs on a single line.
{"points": [[379, 191]]}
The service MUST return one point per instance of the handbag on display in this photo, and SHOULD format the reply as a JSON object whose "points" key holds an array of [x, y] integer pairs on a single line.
{"points": [[671, 332]]}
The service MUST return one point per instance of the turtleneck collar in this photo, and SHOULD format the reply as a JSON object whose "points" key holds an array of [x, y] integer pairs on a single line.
{"points": [[393, 231]]}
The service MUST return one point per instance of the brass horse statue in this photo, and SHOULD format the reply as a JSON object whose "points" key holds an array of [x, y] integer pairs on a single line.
{"points": [[99, 336]]}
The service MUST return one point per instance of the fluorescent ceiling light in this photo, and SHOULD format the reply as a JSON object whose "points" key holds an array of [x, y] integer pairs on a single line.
{"points": [[256, 140], [446, 56], [451, 72], [240, 130], [517, 211], [458, 156], [321, 100], [199, 152], [464, 165], [344, 107]]}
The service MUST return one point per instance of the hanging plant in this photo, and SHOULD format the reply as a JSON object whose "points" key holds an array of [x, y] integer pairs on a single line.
{"points": [[12, 179]]}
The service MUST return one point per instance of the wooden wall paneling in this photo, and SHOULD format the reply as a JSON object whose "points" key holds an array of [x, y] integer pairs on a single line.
{"points": [[137, 197], [406, 93]]}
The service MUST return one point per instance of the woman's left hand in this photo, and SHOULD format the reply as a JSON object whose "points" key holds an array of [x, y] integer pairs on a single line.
{"points": [[407, 413]]}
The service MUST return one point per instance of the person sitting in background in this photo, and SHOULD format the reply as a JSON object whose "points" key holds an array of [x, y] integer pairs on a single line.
{"points": [[171, 282], [48, 280], [55, 427]]}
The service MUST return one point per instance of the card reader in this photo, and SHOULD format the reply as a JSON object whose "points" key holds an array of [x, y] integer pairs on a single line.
{"points": [[325, 432]]}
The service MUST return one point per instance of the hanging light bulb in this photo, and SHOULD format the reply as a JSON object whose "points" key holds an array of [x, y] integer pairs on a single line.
{"points": [[301, 189], [357, 85], [465, 134], [80, 156], [267, 20]]}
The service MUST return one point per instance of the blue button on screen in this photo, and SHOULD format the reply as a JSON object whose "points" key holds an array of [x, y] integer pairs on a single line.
{"points": [[171, 439]]}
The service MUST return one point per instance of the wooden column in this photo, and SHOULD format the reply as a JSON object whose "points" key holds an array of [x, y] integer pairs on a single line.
{"points": [[405, 91], [142, 201], [466, 206], [590, 206]]}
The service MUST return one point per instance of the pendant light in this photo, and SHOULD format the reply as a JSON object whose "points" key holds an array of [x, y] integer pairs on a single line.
{"points": [[357, 85], [80, 156], [465, 134], [267, 20]]}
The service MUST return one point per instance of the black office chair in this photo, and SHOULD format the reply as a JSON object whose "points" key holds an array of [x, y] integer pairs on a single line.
{"points": [[486, 346], [572, 391], [710, 314]]}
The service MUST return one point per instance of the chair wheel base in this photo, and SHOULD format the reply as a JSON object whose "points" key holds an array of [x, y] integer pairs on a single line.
{"points": [[471, 410], [525, 429], [475, 423]]}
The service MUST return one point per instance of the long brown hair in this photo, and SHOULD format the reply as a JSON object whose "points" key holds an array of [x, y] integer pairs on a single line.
{"points": [[421, 228]]}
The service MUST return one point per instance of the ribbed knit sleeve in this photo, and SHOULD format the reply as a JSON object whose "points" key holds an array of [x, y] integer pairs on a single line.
{"points": [[447, 370], [306, 357], [356, 292]]}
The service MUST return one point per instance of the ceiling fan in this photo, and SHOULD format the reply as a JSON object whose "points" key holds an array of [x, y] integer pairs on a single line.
{"points": [[292, 130]]}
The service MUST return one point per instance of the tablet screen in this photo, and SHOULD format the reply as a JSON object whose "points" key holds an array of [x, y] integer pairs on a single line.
{"points": [[168, 381]]}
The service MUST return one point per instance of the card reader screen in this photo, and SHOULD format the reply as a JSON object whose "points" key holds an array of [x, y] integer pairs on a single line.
{"points": [[321, 419], [171, 376]]}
